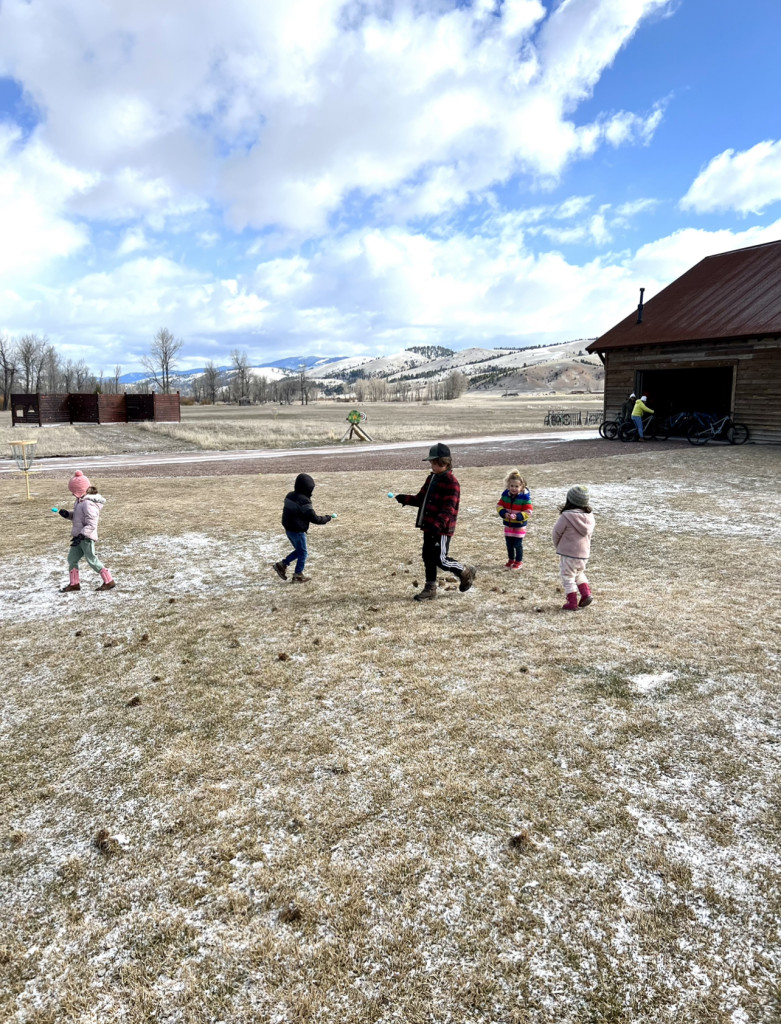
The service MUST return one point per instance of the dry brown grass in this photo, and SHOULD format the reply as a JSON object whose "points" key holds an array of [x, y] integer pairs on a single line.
{"points": [[481, 809], [217, 428]]}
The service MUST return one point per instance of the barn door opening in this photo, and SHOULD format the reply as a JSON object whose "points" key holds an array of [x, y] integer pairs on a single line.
{"points": [[701, 389]]}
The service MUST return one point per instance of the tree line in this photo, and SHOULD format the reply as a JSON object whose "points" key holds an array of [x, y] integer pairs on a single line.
{"points": [[31, 365]]}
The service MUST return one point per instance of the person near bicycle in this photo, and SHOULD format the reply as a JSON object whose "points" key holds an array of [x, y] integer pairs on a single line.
{"points": [[627, 407], [637, 415]]}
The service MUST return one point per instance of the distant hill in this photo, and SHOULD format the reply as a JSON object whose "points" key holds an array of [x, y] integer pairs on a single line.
{"points": [[562, 367]]}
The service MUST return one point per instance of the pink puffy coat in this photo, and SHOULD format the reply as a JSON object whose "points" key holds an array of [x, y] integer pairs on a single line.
{"points": [[85, 515], [572, 533]]}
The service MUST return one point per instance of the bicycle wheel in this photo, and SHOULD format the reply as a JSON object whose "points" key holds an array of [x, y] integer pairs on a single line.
{"points": [[699, 434], [737, 434], [608, 429], [627, 432], [655, 431], [662, 429]]}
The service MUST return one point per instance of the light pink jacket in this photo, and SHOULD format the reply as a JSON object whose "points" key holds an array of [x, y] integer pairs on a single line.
{"points": [[572, 533], [85, 515]]}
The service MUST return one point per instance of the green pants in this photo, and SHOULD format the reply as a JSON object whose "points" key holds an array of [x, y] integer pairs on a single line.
{"points": [[86, 549]]}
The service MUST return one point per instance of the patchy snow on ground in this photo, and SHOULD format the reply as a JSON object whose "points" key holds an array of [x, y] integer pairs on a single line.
{"points": [[161, 563], [680, 508]]}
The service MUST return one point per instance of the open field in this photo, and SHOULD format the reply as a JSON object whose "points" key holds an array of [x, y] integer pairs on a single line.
{"points": [[223, 427], [227, 798]]}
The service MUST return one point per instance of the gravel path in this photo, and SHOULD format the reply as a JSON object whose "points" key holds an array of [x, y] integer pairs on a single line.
{"points": [[519, 450]]}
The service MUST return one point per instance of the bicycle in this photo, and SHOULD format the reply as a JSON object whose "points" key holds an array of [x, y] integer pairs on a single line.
{"points": [[679, 423], [653, 430], [724, 429], [608, 429]]}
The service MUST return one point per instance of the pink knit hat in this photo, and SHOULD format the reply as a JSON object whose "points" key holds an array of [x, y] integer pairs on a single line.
{"points": [[78, 484]]}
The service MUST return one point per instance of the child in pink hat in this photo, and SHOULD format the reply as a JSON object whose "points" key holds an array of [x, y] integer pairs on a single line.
{"points": [[85, 515]]}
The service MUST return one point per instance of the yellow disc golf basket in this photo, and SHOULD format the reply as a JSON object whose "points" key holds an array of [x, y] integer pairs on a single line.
{"points": [[24, 454]]}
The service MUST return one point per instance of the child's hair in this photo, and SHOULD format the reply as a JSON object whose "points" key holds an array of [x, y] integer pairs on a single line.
{"points": [[92, 490], [512, 476], [444, 460]]}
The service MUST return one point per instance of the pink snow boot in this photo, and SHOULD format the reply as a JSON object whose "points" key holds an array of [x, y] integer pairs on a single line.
{"points": [[571, 604], [108, 582], [74, 582], [585, 595]]}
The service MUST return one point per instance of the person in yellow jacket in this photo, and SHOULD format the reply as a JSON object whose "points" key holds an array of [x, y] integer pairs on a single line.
{"points": [[637, 415]]}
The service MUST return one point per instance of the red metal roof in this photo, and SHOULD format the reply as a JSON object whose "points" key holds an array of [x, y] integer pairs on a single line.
{"points": [[732, 295]]}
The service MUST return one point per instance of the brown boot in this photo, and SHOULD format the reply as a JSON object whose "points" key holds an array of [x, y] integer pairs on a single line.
{"points": [[467, 578], [428, 593], [105, 586], [70, 587], [281, 570], [298, 577]]}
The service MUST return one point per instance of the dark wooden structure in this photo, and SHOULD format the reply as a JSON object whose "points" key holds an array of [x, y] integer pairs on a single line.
{"points": [[160, 408], [50, 410], [708, 342], [40, 410]]}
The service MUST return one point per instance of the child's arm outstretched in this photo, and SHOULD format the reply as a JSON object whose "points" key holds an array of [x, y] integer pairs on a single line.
{"points": [[413, 499]]}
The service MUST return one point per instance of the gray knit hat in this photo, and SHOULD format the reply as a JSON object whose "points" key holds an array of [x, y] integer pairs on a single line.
{"points": [[578, 495]]}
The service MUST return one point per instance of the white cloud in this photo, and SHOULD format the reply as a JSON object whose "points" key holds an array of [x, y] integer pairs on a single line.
{"points": [[133, 240], [280, 111], [34, 188], [747, 181]]}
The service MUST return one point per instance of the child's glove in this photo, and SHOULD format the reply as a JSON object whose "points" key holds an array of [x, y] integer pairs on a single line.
{"points": [[400, 498], [77, 540], [64, 514]]}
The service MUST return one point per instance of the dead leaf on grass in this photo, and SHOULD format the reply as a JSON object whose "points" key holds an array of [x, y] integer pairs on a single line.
{"points": [[521, 841], [133, 702], [105, 843], [282, 656]]}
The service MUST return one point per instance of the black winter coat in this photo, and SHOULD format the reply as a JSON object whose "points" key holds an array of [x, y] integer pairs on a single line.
{"points": [[297, 512]]}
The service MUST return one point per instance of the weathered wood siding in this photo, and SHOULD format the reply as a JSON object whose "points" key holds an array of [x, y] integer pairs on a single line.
{"points": [[47, 410], [84, 408], [41, 410], [111, 409], [756, 398], [140, 407], [166, 409]]}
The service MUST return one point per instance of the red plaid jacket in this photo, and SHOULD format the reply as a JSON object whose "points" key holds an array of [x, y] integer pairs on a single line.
{"points": [[437, 501]]}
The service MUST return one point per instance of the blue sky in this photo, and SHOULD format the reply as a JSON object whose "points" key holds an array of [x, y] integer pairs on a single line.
{"points": [[307, 177]]}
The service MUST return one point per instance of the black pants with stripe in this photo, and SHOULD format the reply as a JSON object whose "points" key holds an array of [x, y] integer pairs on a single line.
{"points": [[435, 556]]}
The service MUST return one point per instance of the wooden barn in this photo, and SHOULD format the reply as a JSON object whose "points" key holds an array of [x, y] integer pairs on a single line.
{"points": [[49, 410], [708, 342]]}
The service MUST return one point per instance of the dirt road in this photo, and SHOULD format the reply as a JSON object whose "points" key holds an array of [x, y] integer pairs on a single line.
{"points": [[521, 449]]}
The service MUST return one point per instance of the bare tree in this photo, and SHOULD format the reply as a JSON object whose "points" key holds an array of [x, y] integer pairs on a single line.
{"points": [[83, 380], [160, 362], [454, 385], [303, 384], [8, 367], [117, 375], [241, 376], [211, 382], [259, 389], [32, 354]]}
